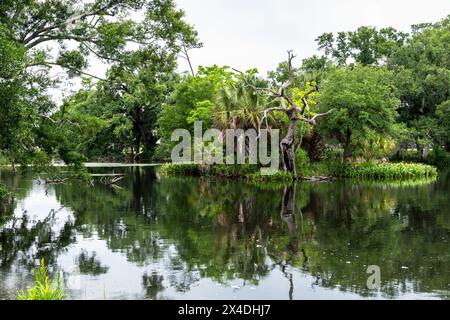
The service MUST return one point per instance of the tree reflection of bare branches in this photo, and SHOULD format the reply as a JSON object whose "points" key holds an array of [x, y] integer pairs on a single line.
{"points": [[288, 215]]}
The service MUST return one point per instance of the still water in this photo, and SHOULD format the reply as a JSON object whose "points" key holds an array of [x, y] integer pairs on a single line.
{"points": [[190, 238]]}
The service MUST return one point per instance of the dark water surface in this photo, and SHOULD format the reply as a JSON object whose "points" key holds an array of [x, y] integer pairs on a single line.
{"points": [[168, 238]]}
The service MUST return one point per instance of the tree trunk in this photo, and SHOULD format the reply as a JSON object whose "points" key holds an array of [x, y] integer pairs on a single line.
{"points": [[418, 148], [346, 155], [314, 146], [14, 170], [288, 147], [138, 150], [132, 155]]}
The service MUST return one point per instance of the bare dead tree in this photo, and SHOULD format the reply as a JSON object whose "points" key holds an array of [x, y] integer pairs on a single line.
{"points": [[294, 112]]}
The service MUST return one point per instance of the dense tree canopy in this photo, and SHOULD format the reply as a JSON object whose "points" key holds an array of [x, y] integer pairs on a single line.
{"points": [[39, 36], [365, 101], [422, 67], [389, 89]]}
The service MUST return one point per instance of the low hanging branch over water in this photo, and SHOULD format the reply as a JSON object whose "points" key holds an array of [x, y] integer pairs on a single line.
{"points": [[293, 111]]}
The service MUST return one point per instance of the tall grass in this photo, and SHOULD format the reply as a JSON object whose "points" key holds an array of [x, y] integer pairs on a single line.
{"points": [[388, 171], [44, 288]]}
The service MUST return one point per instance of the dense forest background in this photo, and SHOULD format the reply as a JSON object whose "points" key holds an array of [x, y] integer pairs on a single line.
{"points": [[389, 89]]}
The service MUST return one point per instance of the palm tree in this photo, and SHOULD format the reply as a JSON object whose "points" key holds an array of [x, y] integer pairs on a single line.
{"points": [[240, 106]]}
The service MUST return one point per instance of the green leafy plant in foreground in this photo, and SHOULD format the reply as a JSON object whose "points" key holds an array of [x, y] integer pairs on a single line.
{"points": [[44, 288]]}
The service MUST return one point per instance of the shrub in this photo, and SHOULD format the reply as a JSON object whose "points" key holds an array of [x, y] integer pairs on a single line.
{"points": [[3, 192], [301, 158], [439, 158], [44, 289], [333, 154], [397, 170]]}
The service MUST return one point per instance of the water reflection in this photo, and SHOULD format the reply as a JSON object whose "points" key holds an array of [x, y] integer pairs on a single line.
{"points": [[159, 238]]}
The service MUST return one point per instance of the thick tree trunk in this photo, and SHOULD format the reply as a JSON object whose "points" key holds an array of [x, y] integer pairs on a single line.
{"points": [[314, 146], [346, 155], [288, 147]]}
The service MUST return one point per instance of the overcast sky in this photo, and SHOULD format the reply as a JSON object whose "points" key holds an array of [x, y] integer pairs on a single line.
{"points": [[256, 33]]}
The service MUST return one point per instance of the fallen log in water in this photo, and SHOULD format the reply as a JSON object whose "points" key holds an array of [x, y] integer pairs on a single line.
{"points": [[111, 180], [55, 181]]}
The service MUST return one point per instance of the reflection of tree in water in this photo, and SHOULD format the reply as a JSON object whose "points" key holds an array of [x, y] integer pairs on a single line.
{"points": [[377, 227], [153, 284], [218, 230], [225, 230], [27, 242], [288, 216], [7, 207], [89, 264]]}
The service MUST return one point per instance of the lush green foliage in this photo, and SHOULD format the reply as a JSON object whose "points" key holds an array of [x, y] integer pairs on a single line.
{"points": [[44, 288], [422, 68], [366, 45], [365, 102], [389, 171], [389, 89], [120, 114], [3, 192]]}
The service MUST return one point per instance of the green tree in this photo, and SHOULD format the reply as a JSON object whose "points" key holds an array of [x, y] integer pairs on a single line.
{"points": [[192, 99], [366, 45], [422, 68], [364, 99], [100, 28], [39, 36], [443, 115]]}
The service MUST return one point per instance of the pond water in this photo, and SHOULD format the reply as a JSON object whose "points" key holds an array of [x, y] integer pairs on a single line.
{"points": [[190, 238]]}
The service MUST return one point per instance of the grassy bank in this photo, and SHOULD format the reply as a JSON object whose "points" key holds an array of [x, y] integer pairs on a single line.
{"points": [[320, 171]]}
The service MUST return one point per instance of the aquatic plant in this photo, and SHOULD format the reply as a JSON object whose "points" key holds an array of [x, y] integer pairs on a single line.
{"points": [[387, 171], [44, 288]]}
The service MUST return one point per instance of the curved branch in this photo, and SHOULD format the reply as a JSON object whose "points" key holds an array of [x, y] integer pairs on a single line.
{"points": [[313, 120], [305, 99], [48, 63], [264, 118]]}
